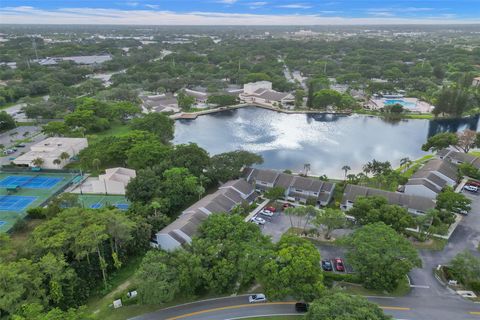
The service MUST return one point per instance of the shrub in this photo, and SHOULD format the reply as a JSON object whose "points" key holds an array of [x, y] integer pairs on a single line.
{"points": [[36, 213], [346, 277]]}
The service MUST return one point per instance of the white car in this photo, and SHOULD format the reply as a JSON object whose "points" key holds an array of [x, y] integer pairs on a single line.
{"points": [[267, 213], [259, 297], [258, 220], [471, 188]]}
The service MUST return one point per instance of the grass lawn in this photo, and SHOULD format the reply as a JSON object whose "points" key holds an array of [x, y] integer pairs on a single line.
{"points": [[290, 317], [432, 244], [117, 129], [415, 165], [352, 288], [475, 153]]}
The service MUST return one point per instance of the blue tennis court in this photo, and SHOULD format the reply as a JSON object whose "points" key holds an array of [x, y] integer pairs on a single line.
{"points": [[97, 205], [30, 182], [15, 203], [121, 206], [2, 223]]}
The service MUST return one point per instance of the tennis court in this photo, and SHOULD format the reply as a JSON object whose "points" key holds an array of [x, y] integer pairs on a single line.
{"points": [[15, 203], [29, 182], [94, 201]]}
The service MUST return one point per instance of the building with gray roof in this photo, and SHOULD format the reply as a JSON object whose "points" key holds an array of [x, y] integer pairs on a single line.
{"points": [[417, 205], [185, 227]]}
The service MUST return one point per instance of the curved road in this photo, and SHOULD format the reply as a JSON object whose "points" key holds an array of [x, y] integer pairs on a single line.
{"points": [[428, 299]]}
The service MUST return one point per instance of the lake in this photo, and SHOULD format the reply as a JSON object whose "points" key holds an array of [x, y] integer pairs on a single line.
{"points": [[325, 141]]}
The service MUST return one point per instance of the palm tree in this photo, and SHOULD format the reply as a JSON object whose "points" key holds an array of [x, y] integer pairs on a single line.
{"points": [[346, 169], [405, 163], [57, 162], [38, 162], [64, 156], [306, 167], [96, 163]]}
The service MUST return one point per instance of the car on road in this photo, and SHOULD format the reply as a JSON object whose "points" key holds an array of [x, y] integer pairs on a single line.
{"points": [[473, 183], [339, 266], [258, 220], [470, 188], [327, 265], [301, 307], [259, 297], [267, 213], [270, 208], [21, 145]]}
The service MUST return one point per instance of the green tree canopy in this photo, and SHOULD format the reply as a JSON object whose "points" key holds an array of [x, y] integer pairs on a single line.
{"points": [[157, 123]]}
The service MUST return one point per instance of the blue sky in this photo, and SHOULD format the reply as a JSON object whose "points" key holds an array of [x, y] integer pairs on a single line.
{"points": [[240, 11]]}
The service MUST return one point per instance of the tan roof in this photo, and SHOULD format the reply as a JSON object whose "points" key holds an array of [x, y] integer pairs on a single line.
{"points": [[268, 176], [429, 176]]}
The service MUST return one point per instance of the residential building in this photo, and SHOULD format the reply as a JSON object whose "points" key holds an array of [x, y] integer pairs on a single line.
{"points": [[431, 178], [114, 181], [185, 227], [50, 151], [297, 188], [458, 157], [166, 102], [414, 204], [261, 92], [201, 97]]}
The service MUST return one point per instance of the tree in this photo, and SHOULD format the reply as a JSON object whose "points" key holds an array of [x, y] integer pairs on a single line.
{"points": [[226, 166], [124, 110], [147, 154], [275, 193], [330, 218], [185, 102], [190, 156], [222, 100], [38, 162], [376, 209], [430, 223], [96, 163], [380, 256], [157, 280], [466, 140], [294, 270], [339, 306], [326, 97], [157, 123], [6, 122], [450, 201], [465, 267], [64, 156], [179, 186], [299, 95], [345, 169], [469, 170], [303, 215], [55, 128], [405, 163], [57, 162], [440, 141]]}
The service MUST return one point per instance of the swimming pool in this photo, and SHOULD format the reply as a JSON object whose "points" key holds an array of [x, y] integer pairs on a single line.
{"points": [[406, 104]]}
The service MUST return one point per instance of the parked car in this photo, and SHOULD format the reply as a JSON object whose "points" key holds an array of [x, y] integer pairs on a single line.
{"points": [[267, 213], [259, 297], [270, 208], [258, 220], [470, 188], [301, 307], [473, 183], [21, 145], [287, 205], [339, 266], [327, 265]]}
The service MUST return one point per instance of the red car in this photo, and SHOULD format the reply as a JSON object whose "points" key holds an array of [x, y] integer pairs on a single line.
{"points": [[287, 205], [473, 183], [339, 266], [272, 209]]}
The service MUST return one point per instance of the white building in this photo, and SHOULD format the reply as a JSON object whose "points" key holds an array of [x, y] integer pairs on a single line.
{"points": [[114, 181], [261, 92], [51, 149]]}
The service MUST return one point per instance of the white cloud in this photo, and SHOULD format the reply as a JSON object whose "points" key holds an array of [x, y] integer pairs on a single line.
{"points": [[227, 1], [380, 12], [258, 3], [132, 3], [152, 6], [295, 6], [29, 15]]}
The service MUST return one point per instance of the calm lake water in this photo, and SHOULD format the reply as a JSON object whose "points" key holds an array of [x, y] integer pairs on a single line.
{"points": [[326, 142]]}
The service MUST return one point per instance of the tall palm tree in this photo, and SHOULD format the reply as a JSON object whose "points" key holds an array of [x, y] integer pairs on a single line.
{"points": [[38, 162], [346, 169], [96, 163], [405, 163], [306, 168], [57, 162]]}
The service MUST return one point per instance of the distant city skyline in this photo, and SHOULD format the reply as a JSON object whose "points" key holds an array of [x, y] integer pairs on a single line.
{"points": [[240, 12]]}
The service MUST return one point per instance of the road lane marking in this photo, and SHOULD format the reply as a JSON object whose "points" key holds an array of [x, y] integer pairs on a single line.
{"points": [[228, 308], [395, 308], [259, 305]]}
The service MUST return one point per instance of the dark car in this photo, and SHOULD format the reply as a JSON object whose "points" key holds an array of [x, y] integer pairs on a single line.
{"points": [[327, 265], [339, 266], [301, 307]]}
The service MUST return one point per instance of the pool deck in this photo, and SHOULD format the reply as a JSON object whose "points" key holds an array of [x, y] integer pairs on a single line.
{"points": [[420, 106]]}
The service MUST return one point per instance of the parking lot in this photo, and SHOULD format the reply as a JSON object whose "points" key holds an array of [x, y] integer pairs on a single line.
{"points": [[8, 140], [276, 225]]}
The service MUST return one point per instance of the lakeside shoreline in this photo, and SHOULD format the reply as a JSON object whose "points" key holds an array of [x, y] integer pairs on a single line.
{"points": [[196, 114]]}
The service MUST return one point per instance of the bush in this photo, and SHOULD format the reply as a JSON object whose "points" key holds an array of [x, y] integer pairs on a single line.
{"points": [[36, 213], [346, 277], [474, 286], [20, 225]]}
